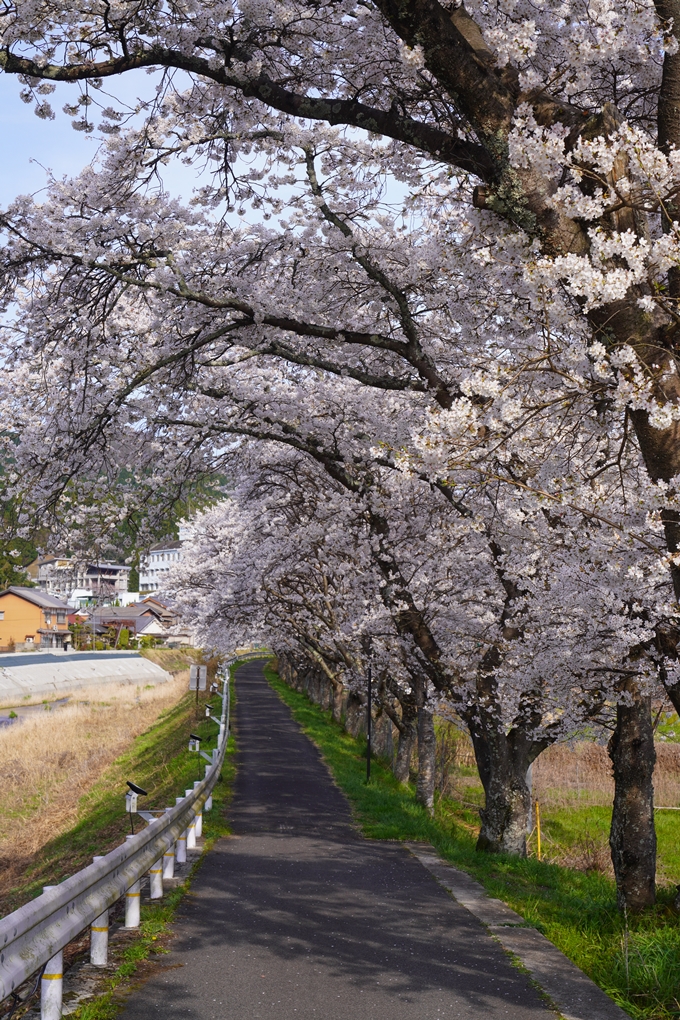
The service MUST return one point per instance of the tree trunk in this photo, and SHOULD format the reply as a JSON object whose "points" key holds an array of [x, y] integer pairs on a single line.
{"points": [[426, 759], [338, 699], [632, 837], [503, 761], [407, 738]]}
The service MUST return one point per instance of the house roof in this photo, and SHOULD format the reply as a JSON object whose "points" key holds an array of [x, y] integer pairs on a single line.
{"points": [[153, 627], [160, 546], [37, 597], [124, 612]]}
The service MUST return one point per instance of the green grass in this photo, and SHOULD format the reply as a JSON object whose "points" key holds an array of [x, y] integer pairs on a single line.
{"points": [[637, 964]]}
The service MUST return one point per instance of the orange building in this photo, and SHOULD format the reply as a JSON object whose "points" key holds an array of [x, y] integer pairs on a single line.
{"points": [[30, 618]]}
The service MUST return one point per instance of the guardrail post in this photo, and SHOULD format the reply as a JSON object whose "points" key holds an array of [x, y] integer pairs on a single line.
{"points": [[132, 898], [52, 985], [156, 880], [169, 857], [199, 816], [181, 844], [208, 804], [191, 830], [99, 937], [99, 940]]}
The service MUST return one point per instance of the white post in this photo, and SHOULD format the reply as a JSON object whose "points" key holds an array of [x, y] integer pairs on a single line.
{"points": [[99, 937], [132, 898], [169, 862], [199, 816], [52, 985], [181, 844], [208, 804], [191, 831], [99, 940], [169, 857], [156, 880]]}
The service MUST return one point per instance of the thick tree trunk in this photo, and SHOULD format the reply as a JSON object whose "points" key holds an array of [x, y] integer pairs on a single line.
{"points": [[633, 838], [426, 759], [338, 699], [503, 761], [407, 738]]}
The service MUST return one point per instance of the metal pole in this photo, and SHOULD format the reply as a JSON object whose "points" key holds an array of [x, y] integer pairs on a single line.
{"points": [[369, 720]]}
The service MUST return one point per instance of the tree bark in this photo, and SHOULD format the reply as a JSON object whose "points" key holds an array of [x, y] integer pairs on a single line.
{"points": [[407, 738], [632, 837], [426, 759], [338, 699], [503, 760]]}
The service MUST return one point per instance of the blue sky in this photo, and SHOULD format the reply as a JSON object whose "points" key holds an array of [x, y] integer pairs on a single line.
{"points": [[31, 145], [25, 137]]}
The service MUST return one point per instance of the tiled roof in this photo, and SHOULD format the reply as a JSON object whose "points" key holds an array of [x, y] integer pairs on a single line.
{"points": [[37, 597]]}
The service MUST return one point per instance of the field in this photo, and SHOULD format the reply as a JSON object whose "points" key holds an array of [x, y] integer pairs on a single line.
{"points": [[635, 960], [64, 772]]}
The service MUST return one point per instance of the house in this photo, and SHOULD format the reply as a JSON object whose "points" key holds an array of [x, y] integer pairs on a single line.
{"points": [[150, 618], [30, 618], [177, 633]]}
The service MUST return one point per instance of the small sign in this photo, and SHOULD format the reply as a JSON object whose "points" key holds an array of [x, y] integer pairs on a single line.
{"points": [[193, 678], [198, 677]]}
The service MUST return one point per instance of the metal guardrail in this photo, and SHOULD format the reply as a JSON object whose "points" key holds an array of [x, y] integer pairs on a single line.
{"points": [[35, 935]]}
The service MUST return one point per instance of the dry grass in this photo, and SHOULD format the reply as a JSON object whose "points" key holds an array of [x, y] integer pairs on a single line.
{"points": [[50, 760], [582, 774]]}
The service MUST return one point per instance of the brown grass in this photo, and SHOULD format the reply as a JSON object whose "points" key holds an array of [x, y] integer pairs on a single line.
{"points": [[50, 760], [563, 775]]}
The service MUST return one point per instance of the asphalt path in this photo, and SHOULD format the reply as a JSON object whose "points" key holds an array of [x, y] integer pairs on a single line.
{"points": [[297, 916]]}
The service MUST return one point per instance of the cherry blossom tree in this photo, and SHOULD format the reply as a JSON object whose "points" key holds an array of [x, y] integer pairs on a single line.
{"points": [[461, 267]]}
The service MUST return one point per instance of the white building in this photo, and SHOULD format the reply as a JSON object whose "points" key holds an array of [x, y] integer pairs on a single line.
{"points": [[155, 567], [62, 575]]}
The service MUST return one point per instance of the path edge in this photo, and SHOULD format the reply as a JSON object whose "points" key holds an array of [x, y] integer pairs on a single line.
{"points": [[574, 994]]}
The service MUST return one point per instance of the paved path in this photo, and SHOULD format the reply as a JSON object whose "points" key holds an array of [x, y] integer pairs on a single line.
{"points": [[296, 916]]}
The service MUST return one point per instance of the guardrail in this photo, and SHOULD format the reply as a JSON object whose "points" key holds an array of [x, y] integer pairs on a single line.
{"points": [[35, 935]]}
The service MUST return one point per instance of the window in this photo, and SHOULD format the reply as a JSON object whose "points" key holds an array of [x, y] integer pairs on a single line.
{"points": [[30, 638], [48, 618], [61, 617], [2, 614]]}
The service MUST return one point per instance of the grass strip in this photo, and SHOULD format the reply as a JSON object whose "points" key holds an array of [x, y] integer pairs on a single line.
{"points": [[635, 960]]}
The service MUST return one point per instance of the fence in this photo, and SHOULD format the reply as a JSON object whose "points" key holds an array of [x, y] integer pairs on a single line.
{"points": [[34, 936]]}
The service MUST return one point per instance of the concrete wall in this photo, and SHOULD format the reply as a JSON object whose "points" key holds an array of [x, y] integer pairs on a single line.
{"points": [[48, 675]]}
